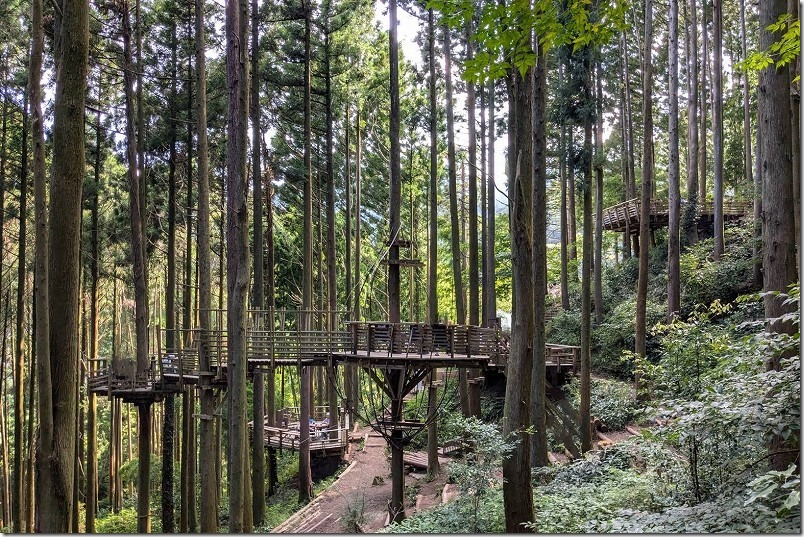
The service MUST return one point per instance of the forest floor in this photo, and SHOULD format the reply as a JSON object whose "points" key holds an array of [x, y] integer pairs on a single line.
{"points": [[357, 502], [360, 495]]}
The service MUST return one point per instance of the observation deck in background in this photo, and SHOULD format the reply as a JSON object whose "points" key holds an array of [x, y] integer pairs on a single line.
{"points": [[624, 217]]}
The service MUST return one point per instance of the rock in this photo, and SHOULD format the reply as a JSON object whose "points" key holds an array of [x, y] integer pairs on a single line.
{"points": [[378, 480]]}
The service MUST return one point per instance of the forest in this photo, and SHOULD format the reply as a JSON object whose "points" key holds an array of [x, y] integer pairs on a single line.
{"points": [[405, 266]]}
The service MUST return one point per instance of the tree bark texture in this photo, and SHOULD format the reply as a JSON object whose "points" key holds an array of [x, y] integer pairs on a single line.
{"points": [[258, 294], [395, 188], [207, 460], [778, 234], [586, 262], [717, 124], [598, 165], [237, 258], [460, 306], [18, 504], [647, 179], [474, 268], [61, 307], [690, 224], [136, 207], [673, 177], [538, 410], [517, 488], [305, 475], [432, 262], [489, 286], [144, 468]]}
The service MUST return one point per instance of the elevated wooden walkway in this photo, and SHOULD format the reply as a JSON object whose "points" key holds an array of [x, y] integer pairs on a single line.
{"points": [[624, 217], [295, 341]]}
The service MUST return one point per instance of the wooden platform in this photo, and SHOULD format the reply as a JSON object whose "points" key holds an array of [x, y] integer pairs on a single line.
{"points": [[418, 459], [320, 441], [624, 217]]}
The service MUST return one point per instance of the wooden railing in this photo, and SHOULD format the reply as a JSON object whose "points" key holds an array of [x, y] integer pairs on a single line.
{"points": [[382, 338], [119, 376]]}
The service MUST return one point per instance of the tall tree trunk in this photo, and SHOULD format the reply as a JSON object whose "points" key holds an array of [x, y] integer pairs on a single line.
{"points": [[756, 251], [305, 475], [517, 487], [59, 375], [624, 145], [573, 221], [270, 382], [586, 261], [484, 228], [690, 225], [490, 286], [778, 233], [30, 506], [647, 179], [4, 409], [168, 508], [474, 284], [748, 167], [144, 470], [432, 262], [332, 288], [562, 170], [598, 164], [94, 333], [358, 183], [258, 293], [113, 402], [207, 459], [349, 369], [629, 118], [396, 508], [538, 417], [717, 124], [184, 495], [237, 259], [141, 131], [673, 178], [395, 187], [187, 306], [136, 209], [460, 307], [5, 492], [702, 131], [18, 506], [168, 519], [794, 69]]}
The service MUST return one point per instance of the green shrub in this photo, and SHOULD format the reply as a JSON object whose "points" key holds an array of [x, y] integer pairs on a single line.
{"points": [[726, 515], [616, 333], [453, 516], [123, 522], [565, 328], [703, 280], [612, 401]]}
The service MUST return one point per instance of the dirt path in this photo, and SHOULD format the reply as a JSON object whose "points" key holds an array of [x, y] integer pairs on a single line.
{"points": [[362, 493]]}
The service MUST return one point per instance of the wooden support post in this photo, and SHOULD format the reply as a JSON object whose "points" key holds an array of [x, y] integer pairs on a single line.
{"points": [[144, 469]]}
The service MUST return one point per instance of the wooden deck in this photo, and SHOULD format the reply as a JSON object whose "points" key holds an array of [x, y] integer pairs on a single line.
{"points": [[624, 217], [320, 441]]}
